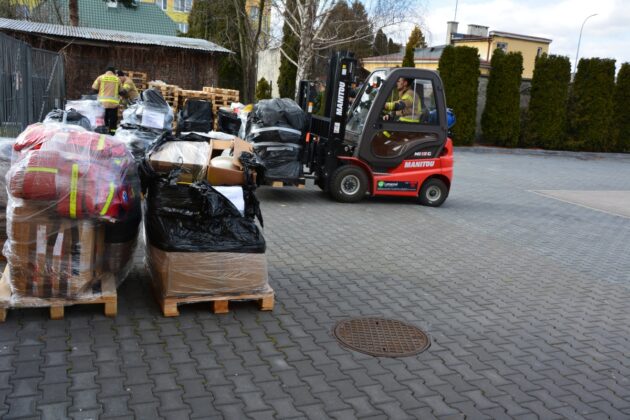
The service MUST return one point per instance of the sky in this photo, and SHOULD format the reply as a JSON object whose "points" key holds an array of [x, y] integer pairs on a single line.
{"points": [[606, 35]]}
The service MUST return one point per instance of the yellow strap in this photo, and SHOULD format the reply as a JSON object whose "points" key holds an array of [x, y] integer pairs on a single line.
{"points": [[48, 170], [101, 142], [110, 196], [73, 190]]}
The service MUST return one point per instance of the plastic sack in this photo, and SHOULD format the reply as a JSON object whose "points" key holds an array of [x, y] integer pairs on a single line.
{"points": [[150, 111], [89, 108], [281, 161], [196, 115], [279, 112], [137, 139], [74, 197], [228, 121], [70, 116]]}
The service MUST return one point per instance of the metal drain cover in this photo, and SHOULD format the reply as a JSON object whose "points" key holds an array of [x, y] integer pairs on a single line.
{"points": [[381, 337]]}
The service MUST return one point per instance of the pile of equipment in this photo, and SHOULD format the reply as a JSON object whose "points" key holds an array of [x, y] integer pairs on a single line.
{"points": [[73, 212]]}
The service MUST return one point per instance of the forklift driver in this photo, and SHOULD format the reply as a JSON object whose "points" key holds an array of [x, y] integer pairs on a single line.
{"points": [[407, 107]]}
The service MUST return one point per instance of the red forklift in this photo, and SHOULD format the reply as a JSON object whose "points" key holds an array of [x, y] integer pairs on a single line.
{"points": [[359, 147]]}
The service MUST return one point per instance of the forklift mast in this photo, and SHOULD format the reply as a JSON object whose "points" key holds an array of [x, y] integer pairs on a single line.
{"points": [[328, 131]]}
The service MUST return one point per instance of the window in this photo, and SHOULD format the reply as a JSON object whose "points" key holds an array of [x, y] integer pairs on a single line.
{"points": [[188, 5], [183, 27], [502, 46], [539, 52], [253, 13], [362, 104], [411, 101], [179, 5], [163, 4]]}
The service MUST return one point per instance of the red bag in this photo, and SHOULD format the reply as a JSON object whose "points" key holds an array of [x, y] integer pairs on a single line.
{"points": [[34, 177]]}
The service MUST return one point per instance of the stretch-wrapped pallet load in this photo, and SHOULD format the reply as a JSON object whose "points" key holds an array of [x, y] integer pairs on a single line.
{"points": [[275, 128], [200, 218], [73, 214], [144, 122]]}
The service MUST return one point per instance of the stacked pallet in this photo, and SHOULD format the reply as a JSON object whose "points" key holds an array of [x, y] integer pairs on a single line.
{"points": [[221, 97], [139, 78]]}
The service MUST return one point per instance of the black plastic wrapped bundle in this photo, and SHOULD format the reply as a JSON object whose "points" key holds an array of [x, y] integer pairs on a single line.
{"points": [[137, 139], [279, 112], [197, 218], [72, 117], [195, 116], [228, 122], [258, 133], [280, 160]]}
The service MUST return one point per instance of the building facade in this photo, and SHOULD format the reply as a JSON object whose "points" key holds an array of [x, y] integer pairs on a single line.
{"points": [[477, 37]]}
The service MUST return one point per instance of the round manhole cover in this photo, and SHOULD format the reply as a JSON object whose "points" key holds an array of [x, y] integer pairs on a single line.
{"points": [[381, 337]]}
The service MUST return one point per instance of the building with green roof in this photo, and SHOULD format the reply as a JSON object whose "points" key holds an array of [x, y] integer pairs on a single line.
{"points": [[147, 18]]}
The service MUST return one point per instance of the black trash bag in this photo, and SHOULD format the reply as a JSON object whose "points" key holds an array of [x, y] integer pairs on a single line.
{"points": [[281, 161], [153, 97], [197, 218], [137, 139], [196, 115], [72, 117], [279, 112], [228, 122]]}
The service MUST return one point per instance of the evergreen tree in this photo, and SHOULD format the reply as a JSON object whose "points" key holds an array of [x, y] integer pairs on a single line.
{"points": [[415, 38], [591, 106], [500, 121], [546, 117], [459, 70], [290, 46], [622, 109], [393, 47], [380, 43], [214, 21], [263, 89]]}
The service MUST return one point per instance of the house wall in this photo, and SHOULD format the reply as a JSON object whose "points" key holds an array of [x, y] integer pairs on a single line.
{"points": [[269, 68], [528, 49], [84, 63], [373, 65]]}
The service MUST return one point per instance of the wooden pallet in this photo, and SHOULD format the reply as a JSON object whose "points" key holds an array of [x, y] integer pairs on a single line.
{"points": [[220, 303], [300, 183], [108, 297]]}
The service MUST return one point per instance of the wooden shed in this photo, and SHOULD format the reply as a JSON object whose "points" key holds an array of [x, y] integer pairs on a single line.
{"points": [[187, 62]]}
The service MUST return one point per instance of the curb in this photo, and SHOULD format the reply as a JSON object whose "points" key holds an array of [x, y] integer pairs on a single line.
{"points": [[541, 152]]}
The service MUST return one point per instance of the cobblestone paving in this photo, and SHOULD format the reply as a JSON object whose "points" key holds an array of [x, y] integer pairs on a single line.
{"points": [[526, 300]]}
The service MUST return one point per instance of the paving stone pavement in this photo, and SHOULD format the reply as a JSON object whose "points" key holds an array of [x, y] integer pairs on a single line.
{"points": [[526, 300]]}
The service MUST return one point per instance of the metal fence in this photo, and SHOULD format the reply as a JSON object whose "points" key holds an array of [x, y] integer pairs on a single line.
{"points": [[31, 84]]}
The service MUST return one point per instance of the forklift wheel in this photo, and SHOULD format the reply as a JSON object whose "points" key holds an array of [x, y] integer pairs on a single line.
{"points": [[433, 193], [348, 184]]}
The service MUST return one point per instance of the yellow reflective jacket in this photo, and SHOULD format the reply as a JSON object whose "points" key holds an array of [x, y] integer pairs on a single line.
{"points": [[412, 104], [108, 86]]}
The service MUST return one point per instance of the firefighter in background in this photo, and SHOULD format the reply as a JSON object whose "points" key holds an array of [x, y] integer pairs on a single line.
{"points": [[107, 86], [128, 91], [407, 107]]}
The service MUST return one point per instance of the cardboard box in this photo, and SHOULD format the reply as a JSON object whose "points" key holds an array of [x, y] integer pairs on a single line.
{"points": [[223, 176], [191, 156], [206, 273], [50, 256]]}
